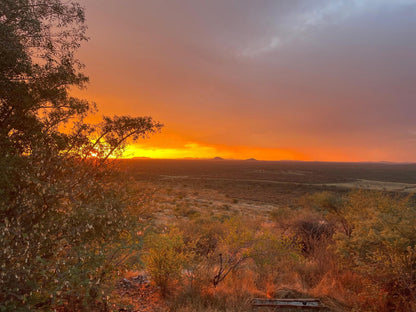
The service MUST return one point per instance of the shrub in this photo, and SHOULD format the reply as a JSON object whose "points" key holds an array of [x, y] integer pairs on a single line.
{"points": [[66, 219], [382, 247], [166, 257]]}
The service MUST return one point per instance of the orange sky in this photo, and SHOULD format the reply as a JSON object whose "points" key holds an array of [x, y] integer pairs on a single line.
{"points": [[307, 80]]}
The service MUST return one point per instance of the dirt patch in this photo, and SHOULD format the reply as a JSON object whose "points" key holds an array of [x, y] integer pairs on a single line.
{"points": [[138, 294]]}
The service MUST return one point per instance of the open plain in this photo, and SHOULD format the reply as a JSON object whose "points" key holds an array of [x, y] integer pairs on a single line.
{"points": [[265, 183]]}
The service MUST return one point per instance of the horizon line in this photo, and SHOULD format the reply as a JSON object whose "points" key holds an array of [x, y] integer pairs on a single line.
{"points": [[219, 159]]}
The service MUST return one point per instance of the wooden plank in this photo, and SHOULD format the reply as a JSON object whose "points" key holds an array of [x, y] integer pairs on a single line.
{"points": [[290, 307], [285, 300], [288, 304], [293, 302]]}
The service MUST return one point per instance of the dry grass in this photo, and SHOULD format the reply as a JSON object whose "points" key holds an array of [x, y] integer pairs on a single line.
{"points": [[185, 197]]}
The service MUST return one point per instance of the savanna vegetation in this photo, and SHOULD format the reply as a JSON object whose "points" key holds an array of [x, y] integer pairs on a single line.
{"points": [[78, 234], [354, 251]]}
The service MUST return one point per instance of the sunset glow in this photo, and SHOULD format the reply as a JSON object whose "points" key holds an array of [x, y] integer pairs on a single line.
{"points": [[208, 155], [325, 80], [195, 150]]}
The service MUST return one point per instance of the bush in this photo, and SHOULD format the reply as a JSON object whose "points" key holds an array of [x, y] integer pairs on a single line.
{"points": [[382, 248], [166, 257], [66, 219]]}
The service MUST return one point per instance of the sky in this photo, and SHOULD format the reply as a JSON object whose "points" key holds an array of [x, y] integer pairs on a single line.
{"points": [[326, 80]]}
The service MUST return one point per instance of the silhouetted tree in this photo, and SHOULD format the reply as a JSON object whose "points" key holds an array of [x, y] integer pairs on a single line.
{"points": [[65, 216]]}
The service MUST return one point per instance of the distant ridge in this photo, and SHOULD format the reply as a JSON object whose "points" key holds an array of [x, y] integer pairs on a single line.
{"points": [[218, 158], [251, 159]]}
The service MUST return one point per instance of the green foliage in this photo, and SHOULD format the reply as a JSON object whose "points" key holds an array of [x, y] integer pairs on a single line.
{"points": [[270, 249], [382, 245], [218, 262], [38, 41], [244, 241], [331, 206], [66, 219], [166, 256]]}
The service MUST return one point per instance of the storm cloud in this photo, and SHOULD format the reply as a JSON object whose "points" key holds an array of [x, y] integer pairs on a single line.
{"points": [[331, 79]]}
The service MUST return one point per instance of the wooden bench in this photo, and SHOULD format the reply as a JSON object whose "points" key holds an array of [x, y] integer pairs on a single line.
{"points": [[287, 305]]}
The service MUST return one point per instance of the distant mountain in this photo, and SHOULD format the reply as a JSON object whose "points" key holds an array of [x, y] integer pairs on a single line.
{"points": [[218, 158], [251, 159]]}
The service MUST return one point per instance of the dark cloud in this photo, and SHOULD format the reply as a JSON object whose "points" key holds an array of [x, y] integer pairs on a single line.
{"points": [[285, 74]]}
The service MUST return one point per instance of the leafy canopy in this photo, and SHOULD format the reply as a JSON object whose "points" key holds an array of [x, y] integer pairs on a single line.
{"points": [[66, 217]]}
